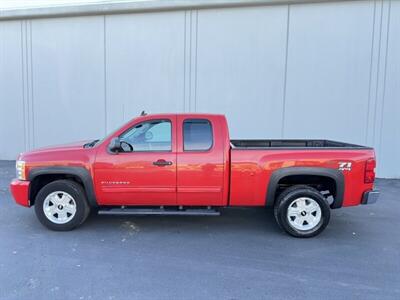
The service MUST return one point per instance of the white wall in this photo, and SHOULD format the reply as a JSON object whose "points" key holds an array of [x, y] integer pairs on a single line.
{"points": [[329, 54], [68, 79], [389, 119], [144, 64], [13, 128], [241, 68], [318, 70]]}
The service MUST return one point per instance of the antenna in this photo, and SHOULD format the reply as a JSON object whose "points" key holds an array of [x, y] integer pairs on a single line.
{"points": [[143, 113]]}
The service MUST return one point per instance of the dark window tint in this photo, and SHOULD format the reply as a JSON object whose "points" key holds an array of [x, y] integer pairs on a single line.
{"points": [[197, 135]]}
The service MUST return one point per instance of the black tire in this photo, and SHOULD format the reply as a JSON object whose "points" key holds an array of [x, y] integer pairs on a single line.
{"points": [[76, 191], [287, 197]]}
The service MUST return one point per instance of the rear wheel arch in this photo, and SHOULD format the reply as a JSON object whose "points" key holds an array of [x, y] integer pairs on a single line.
{"points": [[292, 174], [39, 177]]}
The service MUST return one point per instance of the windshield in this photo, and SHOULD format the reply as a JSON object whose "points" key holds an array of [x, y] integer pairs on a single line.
{"points": [[99, 141]]}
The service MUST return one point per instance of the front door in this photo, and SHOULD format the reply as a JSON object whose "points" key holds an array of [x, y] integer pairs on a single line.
{"points": [[144, 172]]}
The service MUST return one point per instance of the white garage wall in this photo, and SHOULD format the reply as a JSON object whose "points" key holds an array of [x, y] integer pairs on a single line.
{"points": [[329, 56], [317, 70], [12, 97], [68, 79], [389, 129], [241, 68], [145, 64]]}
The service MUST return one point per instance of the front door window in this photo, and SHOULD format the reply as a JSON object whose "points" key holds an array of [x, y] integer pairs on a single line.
{"points": [[149, 136]]}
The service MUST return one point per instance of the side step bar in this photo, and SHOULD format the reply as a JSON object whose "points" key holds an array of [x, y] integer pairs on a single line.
{"points": [[159, 211]]}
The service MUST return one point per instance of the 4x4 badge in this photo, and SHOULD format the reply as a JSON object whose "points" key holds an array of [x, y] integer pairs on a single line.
{"points": [[345, 166]]}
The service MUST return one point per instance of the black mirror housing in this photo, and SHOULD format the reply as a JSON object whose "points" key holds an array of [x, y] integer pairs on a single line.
{"points": [[115, 145]]}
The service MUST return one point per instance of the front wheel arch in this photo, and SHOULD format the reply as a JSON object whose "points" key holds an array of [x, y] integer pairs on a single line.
{"points": [[39, 177]]}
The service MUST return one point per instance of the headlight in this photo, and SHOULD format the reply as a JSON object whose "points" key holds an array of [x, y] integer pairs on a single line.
{"points": [[20, 166]]}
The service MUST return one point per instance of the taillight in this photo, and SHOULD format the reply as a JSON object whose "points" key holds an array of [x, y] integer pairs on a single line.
{"points": [[369, 175]]}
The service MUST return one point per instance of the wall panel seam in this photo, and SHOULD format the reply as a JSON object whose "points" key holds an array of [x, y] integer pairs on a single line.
{"points": [[370, 75], [190, 62], [28, 119], [377, 75], [31, 83], [23, 84], [187, 61], [105, 73], [195, 62], [285, 72], [184, 61], [384, 74]]}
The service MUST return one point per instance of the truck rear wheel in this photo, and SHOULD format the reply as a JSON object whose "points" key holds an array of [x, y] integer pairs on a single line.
{"points": [[302, 211], [61, 205]]}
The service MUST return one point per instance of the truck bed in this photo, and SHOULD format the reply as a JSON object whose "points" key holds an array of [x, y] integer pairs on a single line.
{"points": [[293, 144], [253, 162]]}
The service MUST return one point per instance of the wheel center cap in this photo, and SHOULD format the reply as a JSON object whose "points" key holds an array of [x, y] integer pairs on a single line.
{"points": [[303, 213], [60, 206]]}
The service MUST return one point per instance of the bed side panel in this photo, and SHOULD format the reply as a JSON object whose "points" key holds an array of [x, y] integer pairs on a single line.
{"points": [[252, 169]]}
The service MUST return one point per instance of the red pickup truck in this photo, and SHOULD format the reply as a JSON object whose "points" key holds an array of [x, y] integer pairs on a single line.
{"points": [[185, 164]]}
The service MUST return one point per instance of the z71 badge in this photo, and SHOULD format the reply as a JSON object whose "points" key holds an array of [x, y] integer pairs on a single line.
{"points": [[345, 166]]}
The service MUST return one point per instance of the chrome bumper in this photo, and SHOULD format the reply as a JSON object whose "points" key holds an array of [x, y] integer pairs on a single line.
{"points": [[370, 197]]}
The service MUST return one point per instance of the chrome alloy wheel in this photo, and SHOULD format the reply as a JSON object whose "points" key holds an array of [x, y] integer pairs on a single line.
{"points": [[304, 213], [59, 207]]}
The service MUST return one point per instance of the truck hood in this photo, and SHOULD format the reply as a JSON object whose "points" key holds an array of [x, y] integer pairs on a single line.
{"points": [[54, 150], [69, 146]]}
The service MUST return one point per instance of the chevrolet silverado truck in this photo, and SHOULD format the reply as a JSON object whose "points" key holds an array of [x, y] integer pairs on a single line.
{"points": [[186, 164]]}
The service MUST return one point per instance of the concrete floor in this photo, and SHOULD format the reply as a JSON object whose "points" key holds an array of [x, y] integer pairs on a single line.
{"points": [[239, 255]]}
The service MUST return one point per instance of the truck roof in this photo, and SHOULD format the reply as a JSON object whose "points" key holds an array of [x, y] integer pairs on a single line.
{"points": [[197, 114]]}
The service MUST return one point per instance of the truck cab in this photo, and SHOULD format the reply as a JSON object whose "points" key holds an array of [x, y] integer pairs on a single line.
{"points": [[171, 160]]}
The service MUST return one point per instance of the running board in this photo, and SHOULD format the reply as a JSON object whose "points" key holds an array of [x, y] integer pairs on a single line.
{"points": [[159, 211]]}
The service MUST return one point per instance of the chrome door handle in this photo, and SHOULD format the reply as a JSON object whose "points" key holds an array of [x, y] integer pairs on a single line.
{"points": [[162, 163]]}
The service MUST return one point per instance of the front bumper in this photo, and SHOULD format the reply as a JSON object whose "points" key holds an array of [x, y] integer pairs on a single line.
{"points": [[20, 191], [370, 197]]}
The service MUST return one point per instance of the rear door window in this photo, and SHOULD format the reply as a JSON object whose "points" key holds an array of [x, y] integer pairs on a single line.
{"points": [[197, 135]]}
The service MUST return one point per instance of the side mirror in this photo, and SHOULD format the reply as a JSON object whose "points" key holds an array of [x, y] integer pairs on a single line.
{"points": [[115, 145]]}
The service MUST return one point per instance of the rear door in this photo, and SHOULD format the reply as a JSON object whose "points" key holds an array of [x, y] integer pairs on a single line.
{"points": [[200, 162]]}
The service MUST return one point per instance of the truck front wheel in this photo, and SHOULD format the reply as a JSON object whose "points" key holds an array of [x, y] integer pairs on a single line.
{"points": [[302, 211], [61, 205]]}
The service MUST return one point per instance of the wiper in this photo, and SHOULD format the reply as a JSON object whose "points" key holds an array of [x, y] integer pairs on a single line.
{"points": [[90, 144]]}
